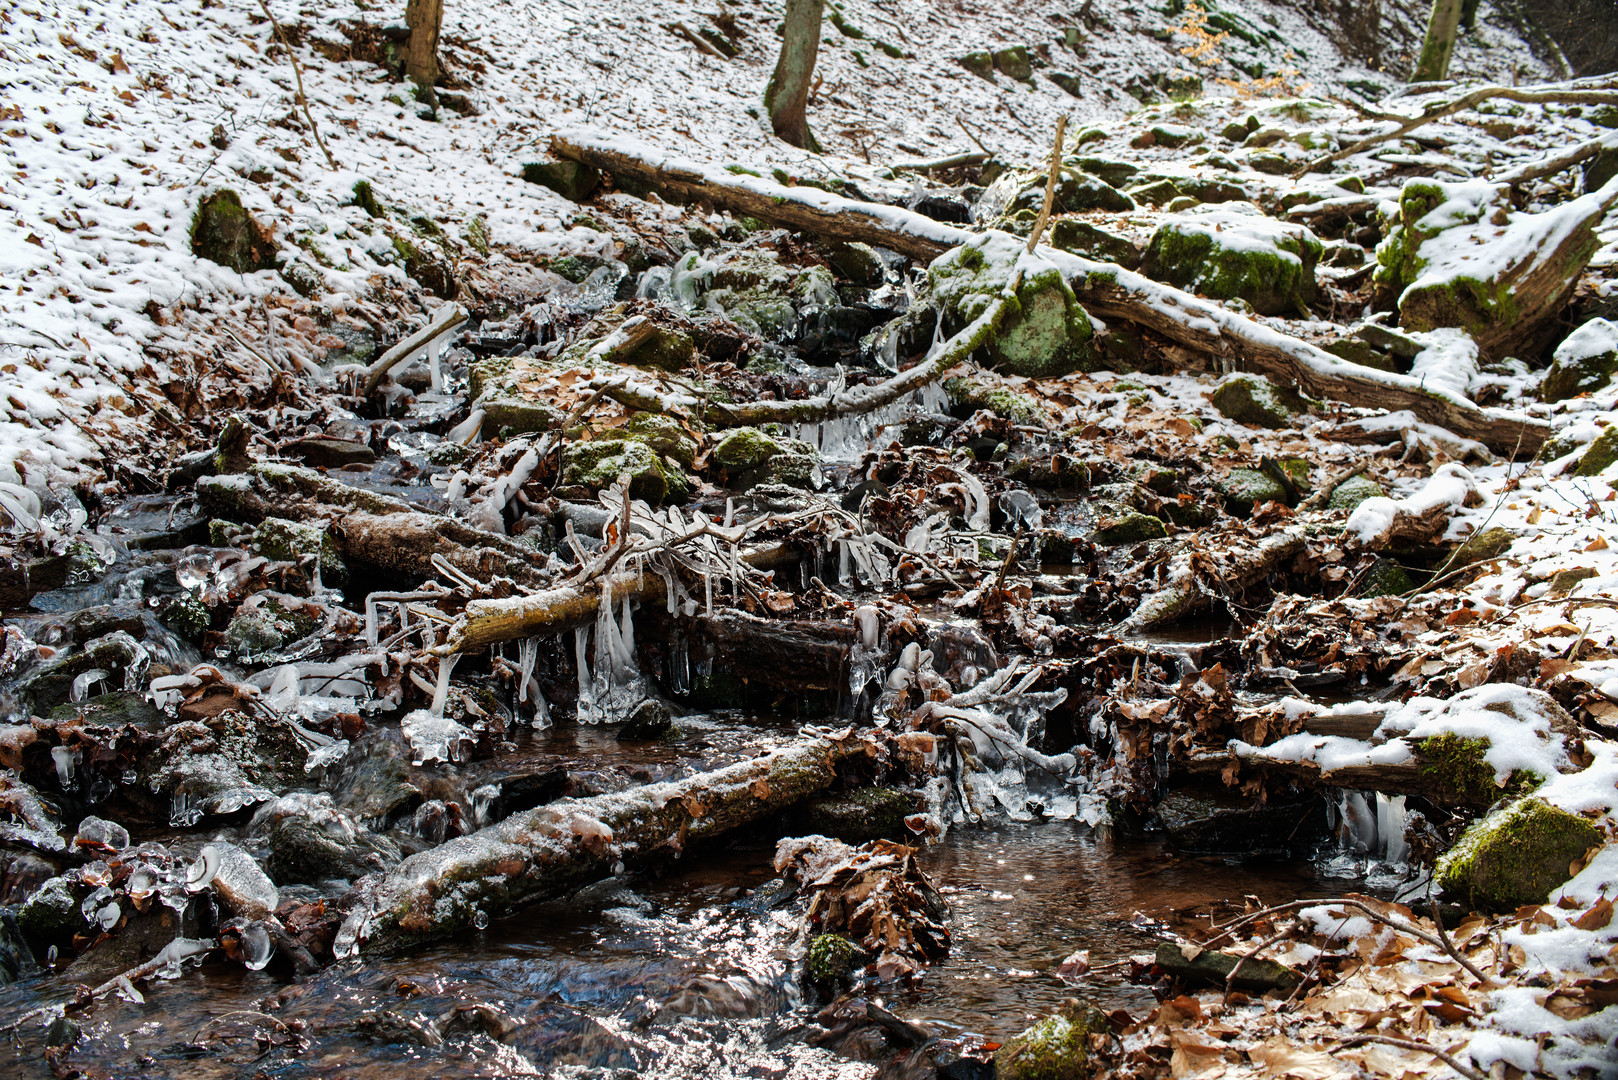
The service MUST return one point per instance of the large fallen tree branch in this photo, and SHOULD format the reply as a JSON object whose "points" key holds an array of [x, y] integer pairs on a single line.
{"points": [[1190, 576], [558, 848], [1103, 288], [1588, 92]]}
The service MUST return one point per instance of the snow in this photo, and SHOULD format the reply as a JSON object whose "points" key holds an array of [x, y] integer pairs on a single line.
{"points": [[1451, 487]]}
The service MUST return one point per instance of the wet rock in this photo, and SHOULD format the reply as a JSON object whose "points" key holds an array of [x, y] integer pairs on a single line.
{"points": [[979, 63], [1208, 967], [281, 540], [309, 841], [833, 959], [754, 289], [867, 813], [323, 451], [52, 915], [236, 877], [858, 263], [224, 232], [1255, 401], [569, 179], [1060, 1047], [1584, 362], [1233, 251], [652, 719], [1244, 489], [1515, 856], [119, 654], [1048, 335], [968, 395], [1129, 528], [220, 767], [1214, 820]]}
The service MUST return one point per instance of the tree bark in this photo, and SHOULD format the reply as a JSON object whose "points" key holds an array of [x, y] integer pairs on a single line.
{"points": [[424, 17], [1443, 23], [555, 849], [1191, 575], [787, 95]]}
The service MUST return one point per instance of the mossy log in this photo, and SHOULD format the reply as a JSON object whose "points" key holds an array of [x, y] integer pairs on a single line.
{"points": [[558, 848]]}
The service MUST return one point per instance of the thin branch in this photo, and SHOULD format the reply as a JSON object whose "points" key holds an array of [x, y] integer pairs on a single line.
{"points": [[1054, 173], [1413, 1044], [297, 72]]}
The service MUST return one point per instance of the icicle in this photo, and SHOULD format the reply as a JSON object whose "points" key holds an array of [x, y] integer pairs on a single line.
{"points": [[1390, 827], [581, 654], [467, 431], [446, 664], [527, 656], [626, 633]]}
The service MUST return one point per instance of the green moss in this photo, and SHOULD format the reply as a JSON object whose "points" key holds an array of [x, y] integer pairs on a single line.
{"points": [[428, 266], [1459, 764], [281, 540], [599, 464], [1601, 455], [1268, 265], [745, 448], [866, 813], [1244, 489], [663, 434], [969, 395], [477, 235], [1044, 334], [979, 63], [1488, 544], [1515, 856], [833, 958], [365, 198], [569, 179], [1055, 1048], [1386, 577]]}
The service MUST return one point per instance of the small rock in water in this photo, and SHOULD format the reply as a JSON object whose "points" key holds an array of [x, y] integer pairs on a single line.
{"points": [[650, 720], [98, 832]]}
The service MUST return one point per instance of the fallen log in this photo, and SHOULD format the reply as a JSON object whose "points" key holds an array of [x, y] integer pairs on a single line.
{"points": [[1191, 573], [375, 530], [556, 849], [1103, 288], [445, 321], [563, 607], [806, 208]]}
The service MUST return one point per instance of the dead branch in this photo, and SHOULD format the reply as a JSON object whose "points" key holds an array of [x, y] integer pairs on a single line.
{"points": [[970, 157], [444, 321], [1421, 1047], [1188, 587], [1471, 99], [1553, 163], [1054, 171], [297, 73]]}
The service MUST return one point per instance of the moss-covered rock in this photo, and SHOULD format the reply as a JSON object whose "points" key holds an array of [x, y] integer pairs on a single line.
{"points": [[750, 457], [598, 464], [1244, 489], [569, 179], [1232, 251], [1459, 765], [663, 434], [1059, 1047], [1386, 577], [968, 395], [1353, 491], [281, 540], [858, 263], [1515, 856], [1117, 173], [754, 289], [427, 263], [1255, 401], [1363, 353], [1489, 544], [1130, 528], [979, 63], [1155, 192], [1013, 63], [1601, 455], [1584, 362], [224, 232], [833, 959], [1082, 238], [365, 198], [1046, 334]]}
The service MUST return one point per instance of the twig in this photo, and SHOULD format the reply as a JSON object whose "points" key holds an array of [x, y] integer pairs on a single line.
{"points": [[962, 122], [1358, 905], [1323, 493], [297, 73], [1050, 184], [1241, 961], [1414, 1044]]}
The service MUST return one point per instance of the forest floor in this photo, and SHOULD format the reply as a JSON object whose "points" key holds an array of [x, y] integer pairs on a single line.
{"points": [[337, 490]]}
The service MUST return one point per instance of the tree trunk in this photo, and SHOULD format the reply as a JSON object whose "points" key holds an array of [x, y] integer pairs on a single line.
{"points": [[424, 17], [788, 90], [1439, 47]]}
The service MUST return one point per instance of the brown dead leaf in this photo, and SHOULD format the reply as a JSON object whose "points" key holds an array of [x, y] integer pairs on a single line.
{"points": [[1280, 1056], [1195, 1055], [1598, 544], [1599, 917], [759, 789]]}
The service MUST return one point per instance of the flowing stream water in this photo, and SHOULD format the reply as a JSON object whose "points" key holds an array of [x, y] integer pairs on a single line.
{"points": [[687, 974]]}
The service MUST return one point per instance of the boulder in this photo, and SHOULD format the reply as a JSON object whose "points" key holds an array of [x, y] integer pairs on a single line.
{"points": [[1129, 528], [979, 63], [750, 458], [1208, 967], [1353, 491], [1255, 401], [1233, 251], [598, 464], [1013, 63], [1047, 334], [1082, 238], [1601, 455], [1584, 362], [224, 232], [1515, 855], [1059, 1047]]}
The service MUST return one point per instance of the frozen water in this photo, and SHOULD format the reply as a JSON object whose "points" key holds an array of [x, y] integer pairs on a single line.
{"points": [[99, 831], [257, 949], [436, 738]]}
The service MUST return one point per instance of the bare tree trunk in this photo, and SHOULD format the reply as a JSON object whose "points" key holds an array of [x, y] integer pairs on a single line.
{"points": [[424, 18], [788, 90], [1439, 47]]}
